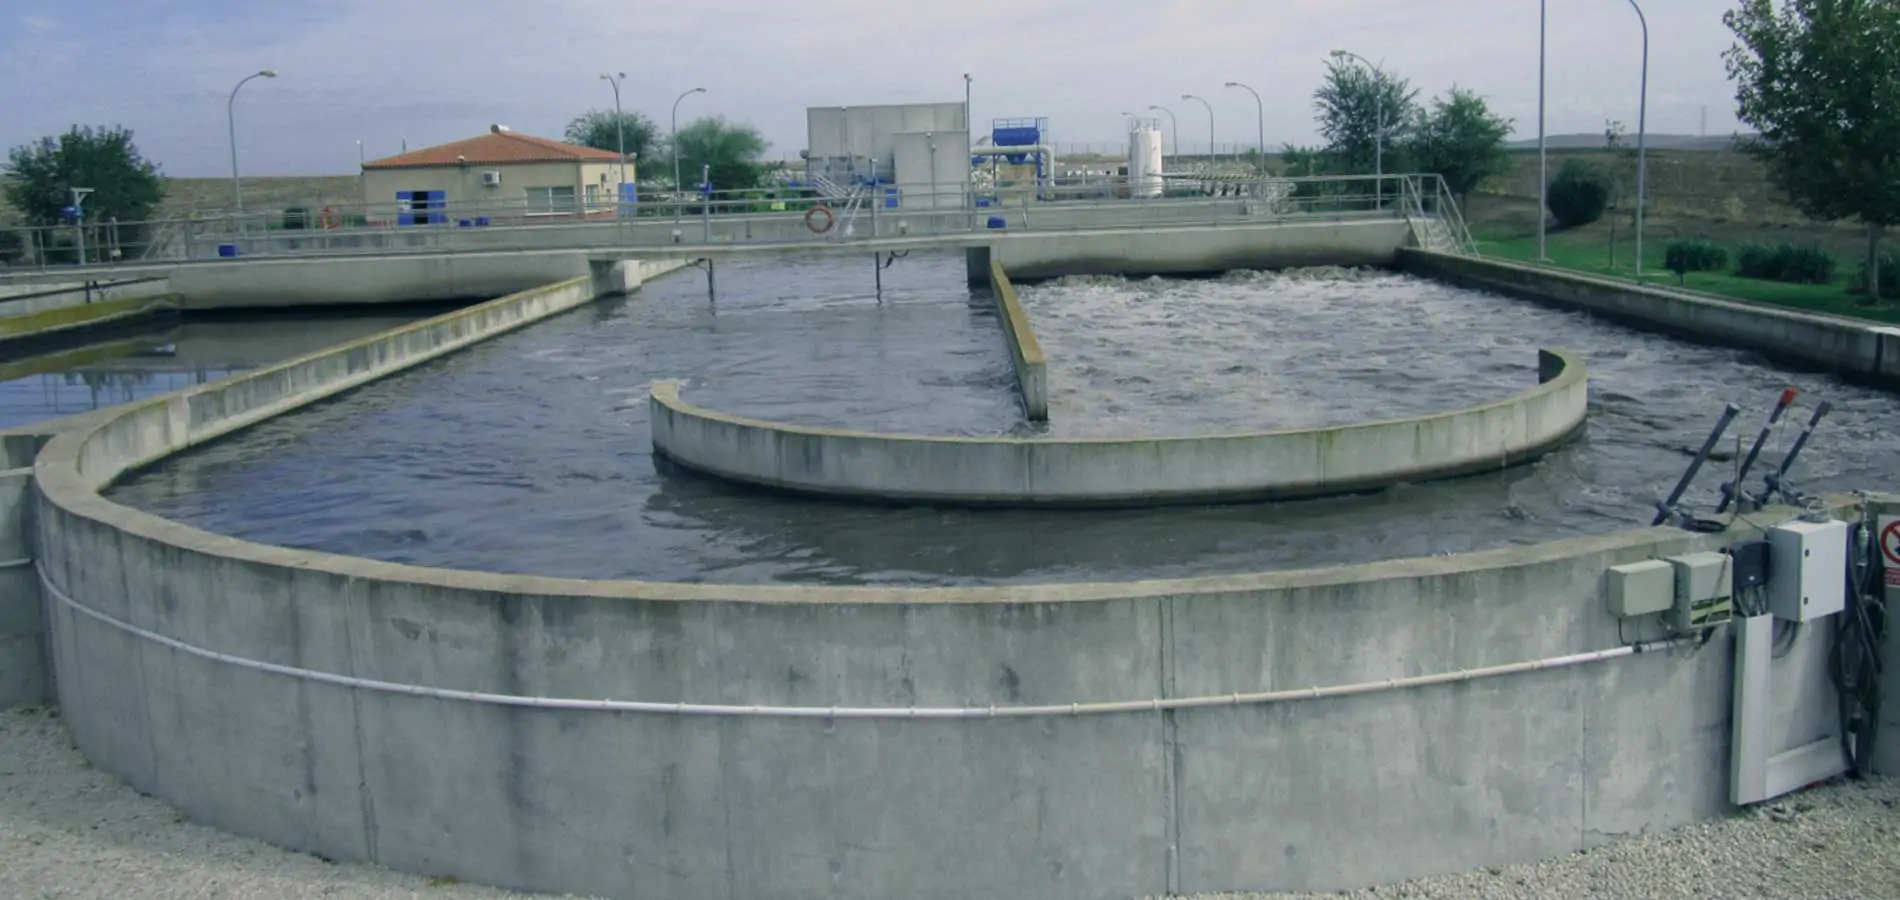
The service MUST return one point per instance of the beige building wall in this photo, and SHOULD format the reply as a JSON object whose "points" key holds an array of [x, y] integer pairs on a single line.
{"points": [[462, 187]]}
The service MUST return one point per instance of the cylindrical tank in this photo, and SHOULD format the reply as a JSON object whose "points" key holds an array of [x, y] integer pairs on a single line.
{"points": [[1144, 160]]}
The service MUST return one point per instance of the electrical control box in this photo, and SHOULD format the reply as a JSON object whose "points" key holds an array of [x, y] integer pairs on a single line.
{"points": [[1641, 589], [1807, 569], [1702, 589], [1751, 565]]}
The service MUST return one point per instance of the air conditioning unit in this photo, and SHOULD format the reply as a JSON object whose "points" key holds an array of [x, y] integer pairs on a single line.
{"points": [[491, 179]]}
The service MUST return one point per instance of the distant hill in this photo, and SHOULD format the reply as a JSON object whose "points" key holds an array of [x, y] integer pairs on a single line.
{"points": [[1657, 141]]}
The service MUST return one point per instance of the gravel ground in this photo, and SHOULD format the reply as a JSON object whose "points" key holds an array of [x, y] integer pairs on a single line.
{"points": [[70, 832]]}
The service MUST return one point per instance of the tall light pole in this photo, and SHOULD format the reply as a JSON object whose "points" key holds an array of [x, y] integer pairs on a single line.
{"points": [[1378, 143], [1260, 112], [969, 140], [1543, 159], [675, 141], [620, 131], [1174, 129], [1642, 148], [230, 118], [362, 174], [1210, 127]]}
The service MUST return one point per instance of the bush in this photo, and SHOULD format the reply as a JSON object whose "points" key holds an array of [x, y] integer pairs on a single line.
{"points": [[12, 247], [1684, 257], [1579, 194], [1792, 263], [1889, 276], [296, 218]]}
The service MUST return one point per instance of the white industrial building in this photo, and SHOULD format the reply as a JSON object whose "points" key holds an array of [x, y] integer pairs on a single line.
{"points": [[918, 154]]}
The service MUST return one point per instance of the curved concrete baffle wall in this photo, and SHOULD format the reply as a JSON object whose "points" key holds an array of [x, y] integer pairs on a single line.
{"points": [[1125, 471]]}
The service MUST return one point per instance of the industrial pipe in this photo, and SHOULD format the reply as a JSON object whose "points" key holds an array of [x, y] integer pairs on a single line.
{"points": [[871, 712]]}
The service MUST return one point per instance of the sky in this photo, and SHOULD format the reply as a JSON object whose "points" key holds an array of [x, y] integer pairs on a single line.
{"points": [[432, 71]]}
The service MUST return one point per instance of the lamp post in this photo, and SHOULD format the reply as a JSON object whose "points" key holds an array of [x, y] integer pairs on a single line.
{"points": [[1378, 142], [1174, 129], [362, 175], [1260, 113], [230, 118], [1210, 127], [675, 141], [1642, 149], [620, 129], [969, 140], [1543, 159]]}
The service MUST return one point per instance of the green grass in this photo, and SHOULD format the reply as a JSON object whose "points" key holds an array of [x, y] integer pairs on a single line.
{"points": [[1589, 252]]}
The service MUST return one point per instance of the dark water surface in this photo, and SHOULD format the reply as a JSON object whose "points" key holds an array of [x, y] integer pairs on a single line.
{"points": [[169, 357], [530, 453]]}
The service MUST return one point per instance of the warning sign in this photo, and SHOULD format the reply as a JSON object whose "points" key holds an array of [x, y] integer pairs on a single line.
{"points": [[1890, 550]]}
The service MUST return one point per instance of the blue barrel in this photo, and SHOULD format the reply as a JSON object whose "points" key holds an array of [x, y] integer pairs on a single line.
{"points": [[227, 250], [481, 220], [996, 221], [464, 223], [982, 201]]}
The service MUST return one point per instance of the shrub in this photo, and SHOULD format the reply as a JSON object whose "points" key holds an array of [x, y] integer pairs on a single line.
{"points": [[296, 218], [1684, 257], [12, 247], [1792, 263], [1579, 193], [1889, 276]]}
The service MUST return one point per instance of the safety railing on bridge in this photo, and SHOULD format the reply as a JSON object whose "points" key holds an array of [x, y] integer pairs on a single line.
{"points": [[789, 213]]}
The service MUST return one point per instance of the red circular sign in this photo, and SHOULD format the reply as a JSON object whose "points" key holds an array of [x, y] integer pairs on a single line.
{"points": [[1890, 543]]}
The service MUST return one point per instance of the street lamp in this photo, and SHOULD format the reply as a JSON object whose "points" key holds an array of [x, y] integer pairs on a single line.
{"points": [[230, 118], [1260, 111], [1174, 129], [1210, 128], [1378, 158], [676, 133], [620, 129], [1543, 159], [1642, 149]]}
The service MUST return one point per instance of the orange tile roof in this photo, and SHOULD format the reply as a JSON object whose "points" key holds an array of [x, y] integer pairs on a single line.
{"points": [[493, 149]]}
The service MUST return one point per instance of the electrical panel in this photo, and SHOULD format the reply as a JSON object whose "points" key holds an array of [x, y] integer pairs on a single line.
{"points": [[1751, 565], [1702, 590], [1807, 571], [1641, 589]]}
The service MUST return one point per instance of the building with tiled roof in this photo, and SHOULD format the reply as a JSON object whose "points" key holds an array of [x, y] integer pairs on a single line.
{"points": [[502, 175]]}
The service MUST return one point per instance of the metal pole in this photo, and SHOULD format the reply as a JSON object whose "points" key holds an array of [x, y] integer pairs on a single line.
{"points": [[1174, 131], [1543, 160], [230, 120], [1260, 118], [1642, 141], [705, 171], [969, 139], [676, 132], [620, 132], [1210, 129]]}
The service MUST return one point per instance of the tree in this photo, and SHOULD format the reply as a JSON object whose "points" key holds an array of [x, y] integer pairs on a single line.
{"points": [[43, 173], [1351, 103], [596, 128], [1578, 193], [1461, 140], [125, 186], [734, 151], [1817, 79]]}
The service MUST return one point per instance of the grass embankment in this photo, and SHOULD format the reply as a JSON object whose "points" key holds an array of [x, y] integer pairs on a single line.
{"points": [[1511, 234]]}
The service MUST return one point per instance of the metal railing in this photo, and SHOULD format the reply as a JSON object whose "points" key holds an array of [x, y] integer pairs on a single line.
{"points": [[803, 213]]}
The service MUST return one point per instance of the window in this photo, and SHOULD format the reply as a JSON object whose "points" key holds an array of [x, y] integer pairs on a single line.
{"points": [[548, 201]]}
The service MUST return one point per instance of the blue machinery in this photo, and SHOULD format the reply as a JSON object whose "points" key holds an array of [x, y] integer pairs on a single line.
{"points": [[1019, 141]]}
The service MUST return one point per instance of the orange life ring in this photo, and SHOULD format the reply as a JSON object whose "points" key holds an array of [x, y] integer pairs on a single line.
{"points": [[830, 219]]}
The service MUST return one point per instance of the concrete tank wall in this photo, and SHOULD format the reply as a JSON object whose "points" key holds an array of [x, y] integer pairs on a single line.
{"points": [[1316, 794], [264, 283], [1142, 471], [1025, 351], [1851, 347], [23, 664], [1040, 254]]}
